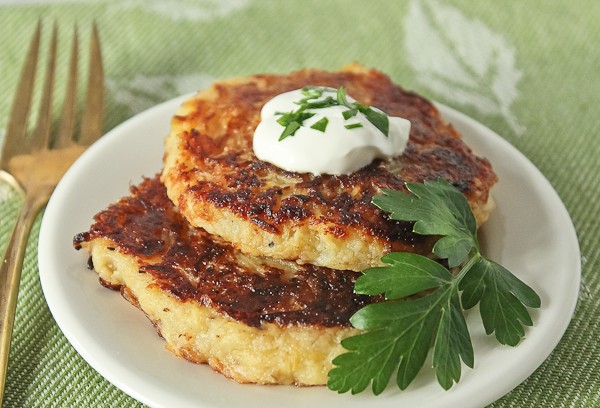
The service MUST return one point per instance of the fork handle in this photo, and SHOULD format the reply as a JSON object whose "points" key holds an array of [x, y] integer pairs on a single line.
{"points": [[10, 276]]}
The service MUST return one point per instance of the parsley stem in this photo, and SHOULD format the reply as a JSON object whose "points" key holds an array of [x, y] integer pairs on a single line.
{"points": [[473, 259]]}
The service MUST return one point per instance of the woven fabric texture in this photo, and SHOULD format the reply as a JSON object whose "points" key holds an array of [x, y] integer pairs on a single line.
{"points": [[527, 70]]}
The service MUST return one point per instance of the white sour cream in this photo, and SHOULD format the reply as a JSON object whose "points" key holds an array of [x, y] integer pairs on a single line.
{"points": [[336, 151]]}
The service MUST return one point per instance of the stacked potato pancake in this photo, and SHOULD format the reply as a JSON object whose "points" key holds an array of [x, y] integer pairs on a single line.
{"points": [[251, 268]]}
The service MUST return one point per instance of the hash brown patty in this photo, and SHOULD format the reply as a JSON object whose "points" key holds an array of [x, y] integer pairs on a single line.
{"points": [[255, 320], [214, 178]]}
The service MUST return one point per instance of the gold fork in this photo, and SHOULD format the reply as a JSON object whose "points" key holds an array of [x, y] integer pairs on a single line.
{"points": [[33, 165]]}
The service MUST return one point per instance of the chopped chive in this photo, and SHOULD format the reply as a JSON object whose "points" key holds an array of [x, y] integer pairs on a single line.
{"points": [[379, 120], [295, 116], [362, 108], [341, 97], [353, 126], [289, 130], [325, 103], [312, 90], [321, 125], [293, 120], [349, 113]]}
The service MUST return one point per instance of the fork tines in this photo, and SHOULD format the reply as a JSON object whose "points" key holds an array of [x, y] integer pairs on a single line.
{"points": [[17, 140]]}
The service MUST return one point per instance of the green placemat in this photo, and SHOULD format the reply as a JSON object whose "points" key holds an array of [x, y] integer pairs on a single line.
{"points": [[528, 70]]}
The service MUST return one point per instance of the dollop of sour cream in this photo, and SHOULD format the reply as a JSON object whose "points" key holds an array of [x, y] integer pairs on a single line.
{"points": [[346, 145]]}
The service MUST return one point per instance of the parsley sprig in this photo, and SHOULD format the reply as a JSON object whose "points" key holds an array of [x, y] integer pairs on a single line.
{"points": [[293, 120], [400, 331]]}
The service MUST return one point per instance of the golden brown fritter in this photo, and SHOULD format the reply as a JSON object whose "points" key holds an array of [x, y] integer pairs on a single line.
{"points": [[253, 319], [213, 176]]}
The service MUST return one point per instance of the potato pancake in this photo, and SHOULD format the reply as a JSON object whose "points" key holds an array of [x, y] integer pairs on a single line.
{"points": [[253, 319], [218, 184]]}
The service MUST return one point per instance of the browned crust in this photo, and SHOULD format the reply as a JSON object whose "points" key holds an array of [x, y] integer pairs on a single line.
{"points": [[214, 168], [189, 265]]}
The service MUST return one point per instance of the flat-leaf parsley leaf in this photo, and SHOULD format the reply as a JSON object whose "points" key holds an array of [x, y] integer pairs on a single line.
{"points": [[424, 301]]}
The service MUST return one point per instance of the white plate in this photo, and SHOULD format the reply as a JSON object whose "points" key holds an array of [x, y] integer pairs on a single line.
{"points": [[530, 233]]}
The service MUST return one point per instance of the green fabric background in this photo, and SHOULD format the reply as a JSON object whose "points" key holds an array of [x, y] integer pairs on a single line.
{"points": [[532, 76]]}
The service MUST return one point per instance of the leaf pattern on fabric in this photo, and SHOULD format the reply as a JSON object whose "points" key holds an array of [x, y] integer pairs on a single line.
{"points": [[462, 59], [188, 10], [142, 92]]}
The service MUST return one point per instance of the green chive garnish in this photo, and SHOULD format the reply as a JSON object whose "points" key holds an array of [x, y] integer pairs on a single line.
{"points": [[321, 125], [349, 113], [289, 130], [353, 126], [292, 121]]}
